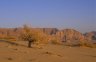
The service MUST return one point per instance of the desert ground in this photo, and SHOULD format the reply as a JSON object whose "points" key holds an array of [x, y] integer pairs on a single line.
{"points": [[19, 52]]}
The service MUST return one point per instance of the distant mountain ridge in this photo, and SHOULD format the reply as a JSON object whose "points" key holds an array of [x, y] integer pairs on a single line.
{"points": [[65, 35]]}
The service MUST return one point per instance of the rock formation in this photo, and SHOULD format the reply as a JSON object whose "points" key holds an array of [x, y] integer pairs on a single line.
{"points": [[65, 35], [91, 36], [70, 36]]}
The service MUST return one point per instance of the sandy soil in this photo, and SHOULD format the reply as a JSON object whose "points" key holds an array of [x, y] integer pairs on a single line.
{"points": [[45, 53]]}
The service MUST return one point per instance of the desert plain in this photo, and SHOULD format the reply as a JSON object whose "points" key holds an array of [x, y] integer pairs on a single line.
{"points": [[19, 52]]}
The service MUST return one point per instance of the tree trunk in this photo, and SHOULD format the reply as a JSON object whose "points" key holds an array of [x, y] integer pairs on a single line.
{"points": [[29, 44]]}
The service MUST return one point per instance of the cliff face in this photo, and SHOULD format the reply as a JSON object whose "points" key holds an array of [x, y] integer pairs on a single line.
{"points": [[10, 33], [91, 36], [50, 31], [66, 35], [15, 31], [70, 36]]}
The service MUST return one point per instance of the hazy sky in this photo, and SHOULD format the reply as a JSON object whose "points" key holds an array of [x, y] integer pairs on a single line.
{"points": [[77, 14]]}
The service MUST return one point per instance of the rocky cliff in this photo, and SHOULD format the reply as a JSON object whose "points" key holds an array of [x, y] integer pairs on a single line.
{"points": [[91, 36], [65, 35]]}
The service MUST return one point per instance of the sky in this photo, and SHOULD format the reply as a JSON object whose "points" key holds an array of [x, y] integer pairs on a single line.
{"points": [[61, 14]]}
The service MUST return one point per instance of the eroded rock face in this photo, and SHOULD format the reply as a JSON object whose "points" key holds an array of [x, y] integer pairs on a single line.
{"points": [[65, 35], [70, 35], [10, 33], [91, 36], [50, 31]]}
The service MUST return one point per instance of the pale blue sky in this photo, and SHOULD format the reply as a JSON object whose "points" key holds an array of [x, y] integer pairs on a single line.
{"points": [[76, 14]]}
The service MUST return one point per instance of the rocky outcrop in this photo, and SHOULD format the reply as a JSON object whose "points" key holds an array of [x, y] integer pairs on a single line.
{"points": [[70, 35], [50, 31], [91, 36], [65, 35]]}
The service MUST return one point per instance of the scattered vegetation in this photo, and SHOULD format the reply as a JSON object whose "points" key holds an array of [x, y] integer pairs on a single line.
{"points": [[86, 44], [56, 41], [7, 37], [35, 36]]}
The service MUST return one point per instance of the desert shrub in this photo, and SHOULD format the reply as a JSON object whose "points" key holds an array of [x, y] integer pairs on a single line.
{"points": [[27, 35], [33, 36], [42, 38], [86, 44], [68, 44], [74, 43], [6, 37], [11, 38], [55, 40], [79, 43]]}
